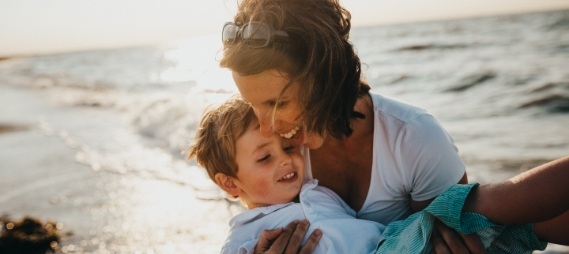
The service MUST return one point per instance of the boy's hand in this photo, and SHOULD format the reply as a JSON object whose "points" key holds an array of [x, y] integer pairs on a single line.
{"points": [[288, 240]]}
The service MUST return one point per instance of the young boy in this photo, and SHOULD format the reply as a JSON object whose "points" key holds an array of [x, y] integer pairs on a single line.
{"points": [[267, 174]]}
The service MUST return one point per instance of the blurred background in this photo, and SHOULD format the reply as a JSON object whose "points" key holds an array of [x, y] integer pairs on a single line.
{"points": [[99, 99]]}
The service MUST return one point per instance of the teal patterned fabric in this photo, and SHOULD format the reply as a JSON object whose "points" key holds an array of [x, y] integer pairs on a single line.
{"points": [[413, 234]]}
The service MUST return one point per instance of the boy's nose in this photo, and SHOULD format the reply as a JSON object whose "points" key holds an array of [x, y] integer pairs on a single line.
{"points": [[286, 160]]}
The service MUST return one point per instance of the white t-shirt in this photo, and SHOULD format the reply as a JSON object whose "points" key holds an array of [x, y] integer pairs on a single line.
{"points": [[414, 158], [343, 233]]}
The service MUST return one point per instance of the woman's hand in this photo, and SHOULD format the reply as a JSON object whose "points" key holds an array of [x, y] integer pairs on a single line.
{"points": [[446, 240], [288, 239]]}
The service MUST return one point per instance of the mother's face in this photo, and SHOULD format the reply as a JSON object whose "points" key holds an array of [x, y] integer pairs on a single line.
{"points": [[262, 91]]}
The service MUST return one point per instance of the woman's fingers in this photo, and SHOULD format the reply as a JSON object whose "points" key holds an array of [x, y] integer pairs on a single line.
{"points": [[266, 238], [281, 244], [296, 237], [439, 246], [311, 243], [288, 239], [449, 241], [473, 243]]}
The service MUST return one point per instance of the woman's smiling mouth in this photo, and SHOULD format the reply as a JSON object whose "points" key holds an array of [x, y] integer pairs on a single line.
{"points": [[290, 133]]}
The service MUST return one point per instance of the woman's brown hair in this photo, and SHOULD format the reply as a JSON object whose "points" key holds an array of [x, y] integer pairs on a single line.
{"points": [[318, 55]]}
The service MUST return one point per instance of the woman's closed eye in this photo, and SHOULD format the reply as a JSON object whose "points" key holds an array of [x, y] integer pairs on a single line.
{"points": [[280, 104], [290, 149]]}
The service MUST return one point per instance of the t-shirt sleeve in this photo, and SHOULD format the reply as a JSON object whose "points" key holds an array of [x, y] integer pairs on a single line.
{"points": [[429, 157]]}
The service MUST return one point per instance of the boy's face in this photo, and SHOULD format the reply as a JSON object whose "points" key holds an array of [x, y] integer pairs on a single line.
{"points": [[270, 169]]}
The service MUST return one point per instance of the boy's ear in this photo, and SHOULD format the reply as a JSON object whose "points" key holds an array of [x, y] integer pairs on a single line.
{"points": [[227, 183]]}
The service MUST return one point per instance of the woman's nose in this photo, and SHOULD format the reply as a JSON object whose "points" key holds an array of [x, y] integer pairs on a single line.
{"points": [[265, 123], [266, 129]]}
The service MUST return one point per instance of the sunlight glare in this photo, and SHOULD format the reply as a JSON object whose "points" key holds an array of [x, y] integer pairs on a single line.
{"points": [[195, 60]]}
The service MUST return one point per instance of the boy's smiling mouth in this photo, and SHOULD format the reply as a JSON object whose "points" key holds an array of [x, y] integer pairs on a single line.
{"points": [[288, 177]]}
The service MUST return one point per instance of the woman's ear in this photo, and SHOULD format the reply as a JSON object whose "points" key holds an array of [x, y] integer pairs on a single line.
{"points": [[227, 183]]}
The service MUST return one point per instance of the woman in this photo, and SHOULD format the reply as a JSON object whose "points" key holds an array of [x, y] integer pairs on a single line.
{"points": [[293, 62]]}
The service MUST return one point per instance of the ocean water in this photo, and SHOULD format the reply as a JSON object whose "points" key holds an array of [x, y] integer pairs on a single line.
{"points": [[499, 86]]}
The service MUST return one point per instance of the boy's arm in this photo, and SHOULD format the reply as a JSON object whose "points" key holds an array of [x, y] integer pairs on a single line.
{"points": [[537, 195]]}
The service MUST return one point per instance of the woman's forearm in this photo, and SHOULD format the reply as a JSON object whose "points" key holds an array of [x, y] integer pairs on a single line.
{"points": [[538, 194], [555, 230]]}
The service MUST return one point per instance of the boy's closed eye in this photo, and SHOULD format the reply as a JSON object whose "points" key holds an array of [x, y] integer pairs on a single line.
{"points": [[288, 149], [264, 158]]}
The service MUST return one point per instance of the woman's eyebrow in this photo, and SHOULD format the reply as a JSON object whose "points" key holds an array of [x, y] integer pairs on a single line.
{"points": [[274, 100]]}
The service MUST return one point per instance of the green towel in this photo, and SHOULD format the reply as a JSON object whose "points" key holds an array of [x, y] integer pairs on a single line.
{"points": [[412, 235]]}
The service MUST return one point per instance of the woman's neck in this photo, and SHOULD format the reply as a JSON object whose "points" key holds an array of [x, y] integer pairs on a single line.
{"points": [[344, 164]]}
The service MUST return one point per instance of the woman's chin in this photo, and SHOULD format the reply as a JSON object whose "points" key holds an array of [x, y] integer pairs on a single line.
{"points": [[312, 141], [298, 138]]}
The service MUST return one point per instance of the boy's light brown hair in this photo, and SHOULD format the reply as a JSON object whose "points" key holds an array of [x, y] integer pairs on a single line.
{"points": [[220, 127]]}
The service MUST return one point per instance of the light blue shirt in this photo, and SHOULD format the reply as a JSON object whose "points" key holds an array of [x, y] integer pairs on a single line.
{"points": [[343, 233]]}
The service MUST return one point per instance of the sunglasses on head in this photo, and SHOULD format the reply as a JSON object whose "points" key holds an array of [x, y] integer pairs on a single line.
{"points": [[254, 34]]}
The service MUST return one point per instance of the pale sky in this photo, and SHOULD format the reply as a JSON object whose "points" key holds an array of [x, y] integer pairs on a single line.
{"points": [[43, 26]]}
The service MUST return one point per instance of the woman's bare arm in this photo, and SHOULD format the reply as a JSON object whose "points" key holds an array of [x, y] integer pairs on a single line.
{"points": [[538, 194], [555, 230]]}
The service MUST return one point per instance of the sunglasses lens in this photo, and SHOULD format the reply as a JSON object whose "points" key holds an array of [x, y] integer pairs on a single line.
{"points": [[256, 34], [229, 33]]}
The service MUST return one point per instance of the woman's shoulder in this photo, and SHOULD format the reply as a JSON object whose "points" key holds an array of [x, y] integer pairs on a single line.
{"points": [[386, 107], [394, 118]]}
